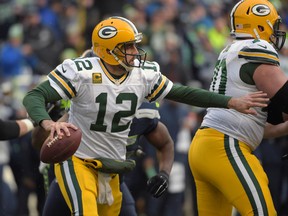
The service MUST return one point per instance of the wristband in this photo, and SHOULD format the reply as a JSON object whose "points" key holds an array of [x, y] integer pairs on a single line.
{"points": [[150, 172], [28, 124]]}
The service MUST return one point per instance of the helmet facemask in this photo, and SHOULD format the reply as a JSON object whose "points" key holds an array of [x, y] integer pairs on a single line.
{"points": [[120, 54], [278, 37], [110, 41]]}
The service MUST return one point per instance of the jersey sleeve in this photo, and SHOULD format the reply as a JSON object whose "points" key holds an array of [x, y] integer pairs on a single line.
{"points": [[259, 51], [158, 85], [65, 79]]}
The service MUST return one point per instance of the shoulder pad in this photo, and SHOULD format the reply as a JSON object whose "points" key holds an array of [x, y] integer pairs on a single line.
{"points": [[259, 51], [63, 76], [88, 53], [67, 69]]}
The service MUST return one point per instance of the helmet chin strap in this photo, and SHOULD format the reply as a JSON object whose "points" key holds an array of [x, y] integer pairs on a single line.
{"points": [[256, 33], [127, 68]]}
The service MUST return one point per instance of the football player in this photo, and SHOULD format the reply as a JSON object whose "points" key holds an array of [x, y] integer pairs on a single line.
{"points": [[105, 93], [221, 160], [146, 122]]}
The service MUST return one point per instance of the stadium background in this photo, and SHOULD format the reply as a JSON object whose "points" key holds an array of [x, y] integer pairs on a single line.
{"points": [[183, 36]]}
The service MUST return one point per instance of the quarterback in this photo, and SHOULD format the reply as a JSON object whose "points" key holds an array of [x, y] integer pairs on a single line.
{"points": [[105, 92], [220, 157], [146, 122]]}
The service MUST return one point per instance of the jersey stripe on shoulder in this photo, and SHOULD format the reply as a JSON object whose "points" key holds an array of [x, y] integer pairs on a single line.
{"points": [[259, 56], [63, 83], [159, 87]]}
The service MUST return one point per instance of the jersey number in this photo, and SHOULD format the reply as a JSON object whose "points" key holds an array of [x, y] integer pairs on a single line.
{"points": [[102, 100], [220, 71]]}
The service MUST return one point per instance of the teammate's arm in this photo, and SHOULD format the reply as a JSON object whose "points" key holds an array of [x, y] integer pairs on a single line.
{"points": [[272, 80], [269, 78]]}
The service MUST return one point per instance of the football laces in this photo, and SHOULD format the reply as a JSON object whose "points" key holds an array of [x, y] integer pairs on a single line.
{"points": [[49, 144]]}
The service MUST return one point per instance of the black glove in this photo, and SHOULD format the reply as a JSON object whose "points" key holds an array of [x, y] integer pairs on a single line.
{"points": [[285, 157], [158, 184]]}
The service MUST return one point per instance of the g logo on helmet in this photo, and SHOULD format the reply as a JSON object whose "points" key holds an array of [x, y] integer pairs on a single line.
{"points": [[107, 32], [261, 10]]}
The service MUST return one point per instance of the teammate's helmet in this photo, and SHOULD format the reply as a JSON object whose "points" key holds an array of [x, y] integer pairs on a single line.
{"points": [[110, 38], [257, 19]]}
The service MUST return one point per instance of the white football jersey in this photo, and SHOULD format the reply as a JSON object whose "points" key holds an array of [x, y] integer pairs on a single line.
{"points": [[103, 107], [228, 80]]}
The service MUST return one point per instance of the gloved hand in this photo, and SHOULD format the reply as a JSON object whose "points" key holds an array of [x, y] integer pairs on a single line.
{"points": [[158, 184], [285, 157]]}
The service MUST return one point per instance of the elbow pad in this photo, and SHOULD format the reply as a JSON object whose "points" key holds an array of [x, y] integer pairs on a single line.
{"points": [[278, 105]]}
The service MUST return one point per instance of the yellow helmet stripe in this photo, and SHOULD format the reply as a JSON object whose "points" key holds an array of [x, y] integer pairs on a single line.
{"points": [[127, 21], [232, 15]]}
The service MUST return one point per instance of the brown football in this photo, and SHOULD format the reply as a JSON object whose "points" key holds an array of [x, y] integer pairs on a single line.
{"points": [[58, 150]]}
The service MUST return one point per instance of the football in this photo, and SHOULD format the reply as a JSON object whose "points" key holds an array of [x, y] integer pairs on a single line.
{"points": [[58, 150]]}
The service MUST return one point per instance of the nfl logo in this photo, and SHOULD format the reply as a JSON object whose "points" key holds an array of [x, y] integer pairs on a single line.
{"points": [[97, 78]]}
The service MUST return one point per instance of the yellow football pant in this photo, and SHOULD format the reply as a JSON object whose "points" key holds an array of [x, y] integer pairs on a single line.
{"points": [[227, 174], [78, 182]]}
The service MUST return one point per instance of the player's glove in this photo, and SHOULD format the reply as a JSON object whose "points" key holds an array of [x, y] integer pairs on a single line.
{"points": [[285, 157], [158, 184]]}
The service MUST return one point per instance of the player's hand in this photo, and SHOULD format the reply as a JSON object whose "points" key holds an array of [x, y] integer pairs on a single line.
{"points": [[245, 103], [158, 184], [57, 127]]}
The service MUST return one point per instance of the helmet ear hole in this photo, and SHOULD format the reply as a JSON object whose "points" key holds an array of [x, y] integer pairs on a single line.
{"points": [[248, 11], [261, 28]]}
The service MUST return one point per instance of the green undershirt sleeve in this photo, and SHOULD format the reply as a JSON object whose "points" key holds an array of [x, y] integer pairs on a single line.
{"points": [[35, 101], [197, 97], [247, 71]]}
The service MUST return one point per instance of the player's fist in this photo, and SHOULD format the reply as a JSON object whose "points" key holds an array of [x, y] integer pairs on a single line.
{"points": [[158, 184]]}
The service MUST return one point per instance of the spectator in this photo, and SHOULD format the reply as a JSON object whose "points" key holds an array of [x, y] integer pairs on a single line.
{"points": [[16, 62], [42, 41]]}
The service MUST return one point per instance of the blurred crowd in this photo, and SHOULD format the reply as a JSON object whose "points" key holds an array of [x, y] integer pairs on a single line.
{"points": [[183, 36]]}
